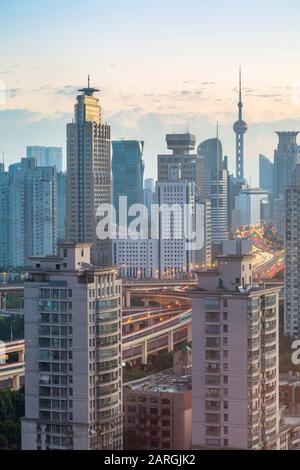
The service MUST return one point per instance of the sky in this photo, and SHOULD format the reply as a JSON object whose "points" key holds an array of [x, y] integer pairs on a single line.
{"points": [[162, 66]]}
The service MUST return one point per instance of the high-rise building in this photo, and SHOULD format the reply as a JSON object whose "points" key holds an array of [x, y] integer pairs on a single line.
{"points": [[215, 187], [89, 174], [192, 165], [127, 172], [175, 259], [46, 156], [266, 173], [235, 358], [136, 259], [240, 128], [32, 200], [286, 157], [292, 256], [73, 380]]}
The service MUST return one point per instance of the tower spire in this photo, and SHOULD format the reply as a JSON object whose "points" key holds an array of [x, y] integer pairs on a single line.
{"points": [[240, 128], [88, 81]]}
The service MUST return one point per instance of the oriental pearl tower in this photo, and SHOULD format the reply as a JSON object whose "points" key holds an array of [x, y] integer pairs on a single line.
{"points": [[240, 128]]}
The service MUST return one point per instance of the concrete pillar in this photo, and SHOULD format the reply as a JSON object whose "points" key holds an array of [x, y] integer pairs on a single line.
{"points": [[144, 354], [16, 383], [189, 332], [128, 299], [146, 302], [170, 341], [21, 356]]}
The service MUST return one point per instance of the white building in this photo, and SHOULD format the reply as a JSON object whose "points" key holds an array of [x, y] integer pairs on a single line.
{"points": [[235, 359], [73, 379], [136, 258], [248, 207], [175, 260]]}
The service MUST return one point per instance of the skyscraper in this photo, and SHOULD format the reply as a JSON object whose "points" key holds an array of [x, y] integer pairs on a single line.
{"points": [[286, 157], [240, 128], [46, 156], [73, 380], [266, 173], [235, 358], [128, 172], [292, 256], [61, 212], [4, 219], [215, 187], [29, 193], [89, 174]]}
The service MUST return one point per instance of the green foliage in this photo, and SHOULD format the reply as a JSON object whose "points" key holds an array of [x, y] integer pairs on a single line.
{"points": [[11, 411], [17, 328]]}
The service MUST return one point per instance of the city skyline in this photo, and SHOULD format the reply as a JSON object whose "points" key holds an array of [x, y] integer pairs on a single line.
{"points": [[169, 82]]}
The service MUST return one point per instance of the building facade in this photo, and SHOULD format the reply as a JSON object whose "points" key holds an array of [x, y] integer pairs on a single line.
{"points": [[235, 359], [292, 257], [128, 172], [73, 380], [286, 157], [250, 207], [89, 174], [46, 156], [215, 187]]}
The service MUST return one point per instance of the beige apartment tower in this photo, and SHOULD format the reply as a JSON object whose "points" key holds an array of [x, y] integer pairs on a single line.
{"points": [[73, 380], [235, 359]]}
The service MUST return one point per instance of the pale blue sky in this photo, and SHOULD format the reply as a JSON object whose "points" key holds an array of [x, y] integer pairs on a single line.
{"points": [[162, 66]]}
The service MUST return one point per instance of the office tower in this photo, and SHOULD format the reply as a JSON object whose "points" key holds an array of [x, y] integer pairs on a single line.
{"points": [[4, 219], [73, 381], [279, 215], [250, 207], [149, 193], [235, 358], [46, 156], [127, 172], [61, 212], [292, 256], [89, 174], [215, 187], [286, 157], [240, 128], [266, 173], [175, 259], [192, 165], [32, 211]]}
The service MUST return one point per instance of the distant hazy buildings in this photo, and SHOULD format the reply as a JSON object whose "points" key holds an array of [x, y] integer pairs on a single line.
{"points": [[250, 207], [286, 157], [89, 174], [73, 380], [292, 256], [235, 359], [266, 173], [127, 172], [149, 193], [46, 156]]}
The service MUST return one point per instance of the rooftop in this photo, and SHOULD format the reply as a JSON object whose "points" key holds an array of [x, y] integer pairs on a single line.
{"points": [[164, 381]]}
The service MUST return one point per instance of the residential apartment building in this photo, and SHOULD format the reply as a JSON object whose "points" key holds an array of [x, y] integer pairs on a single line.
{"points": [[235, 358], [73, 380]]}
